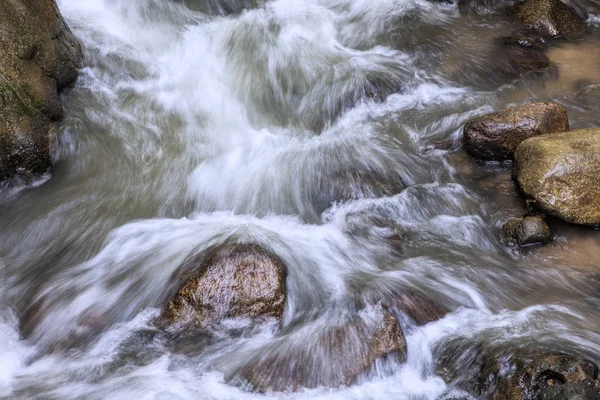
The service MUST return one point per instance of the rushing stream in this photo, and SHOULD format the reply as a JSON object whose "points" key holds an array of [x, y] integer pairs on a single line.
{"points": [[294, 124]]}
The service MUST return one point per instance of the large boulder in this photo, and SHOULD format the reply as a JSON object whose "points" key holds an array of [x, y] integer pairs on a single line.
{"points": [[229, 281], [525, 231], [550, 17], [38, 56], [545, 377], [495, 136], [332, 354], [561, 173]]}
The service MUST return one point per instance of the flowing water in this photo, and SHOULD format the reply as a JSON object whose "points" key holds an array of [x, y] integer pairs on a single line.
{"points": [[294, 124]]}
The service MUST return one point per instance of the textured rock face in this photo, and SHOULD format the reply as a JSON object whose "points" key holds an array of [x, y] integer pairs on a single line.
{"points": [[331, 356], [561, 172], [528, 230], [550, 17], [233, 280], [496, 136], [38, 56], [548, 377]]}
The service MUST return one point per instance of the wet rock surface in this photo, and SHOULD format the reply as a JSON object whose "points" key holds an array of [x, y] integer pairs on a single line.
{"points": [[550, 17], [528, 230], [38, 56], [495, 136], [231, 280], [545, 377], [331, 356], [214, 7], [561, 173]]}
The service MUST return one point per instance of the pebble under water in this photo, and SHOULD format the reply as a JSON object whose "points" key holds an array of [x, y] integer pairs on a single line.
{"points": [[294, 124]]}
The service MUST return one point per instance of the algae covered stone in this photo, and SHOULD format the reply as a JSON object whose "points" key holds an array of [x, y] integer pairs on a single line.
{"points": [[528, 230], [38, 56], [561, 173], [550, 17], [495, 136]]}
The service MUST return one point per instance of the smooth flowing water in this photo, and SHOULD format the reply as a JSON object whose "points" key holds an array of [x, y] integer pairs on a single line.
{"points": [[294, 124]]}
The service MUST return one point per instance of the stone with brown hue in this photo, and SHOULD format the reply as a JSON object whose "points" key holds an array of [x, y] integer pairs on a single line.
{"points": [[561, 173], [418, 307], [328, 355], [528, 230], [38, 56], [550, 17], [495, 137], [232, 280], [546, 377]]}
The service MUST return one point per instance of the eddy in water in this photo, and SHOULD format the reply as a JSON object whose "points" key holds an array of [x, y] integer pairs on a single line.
{"points": [[299, 199]]}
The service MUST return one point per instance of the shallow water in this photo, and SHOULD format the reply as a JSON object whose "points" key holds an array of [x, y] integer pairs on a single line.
{"points": [[290, 124]]}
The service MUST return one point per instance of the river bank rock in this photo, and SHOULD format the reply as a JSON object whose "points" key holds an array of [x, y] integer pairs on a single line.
{"points": [[333, 355], [528, 230], [561, 173], [546, 377], [38, 57], [232, 280], [495, 136], [550, 17]]}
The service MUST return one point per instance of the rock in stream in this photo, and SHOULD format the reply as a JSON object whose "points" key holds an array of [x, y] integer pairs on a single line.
{"points": [[550, 17], [561, 173], [528, 230], [495, 136], [231, 280], [39, 56]]}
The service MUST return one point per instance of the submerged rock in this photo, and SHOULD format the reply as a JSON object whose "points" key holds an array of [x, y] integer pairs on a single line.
{"points": [[232, 280], [38, 56], [496, 136], [561, 173], [528, 230], [522, 40], [331, 356], [550, 17], [220, 7], [546, 377]]}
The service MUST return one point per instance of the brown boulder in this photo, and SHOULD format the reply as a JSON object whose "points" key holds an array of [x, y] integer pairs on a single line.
{"points": [[561, 173], [232, 280], [331, 356], [546, 377], [550, 17], [496, 136], [38, 56]]}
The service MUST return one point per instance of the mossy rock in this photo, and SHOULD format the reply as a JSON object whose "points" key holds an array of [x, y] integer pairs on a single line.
{"points": [[561, 173], [38, 56], [550, 17], [525, 231]]}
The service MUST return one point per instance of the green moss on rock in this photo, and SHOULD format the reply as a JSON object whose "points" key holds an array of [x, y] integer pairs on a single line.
{"points": [[38, 56], [550, 17]]}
